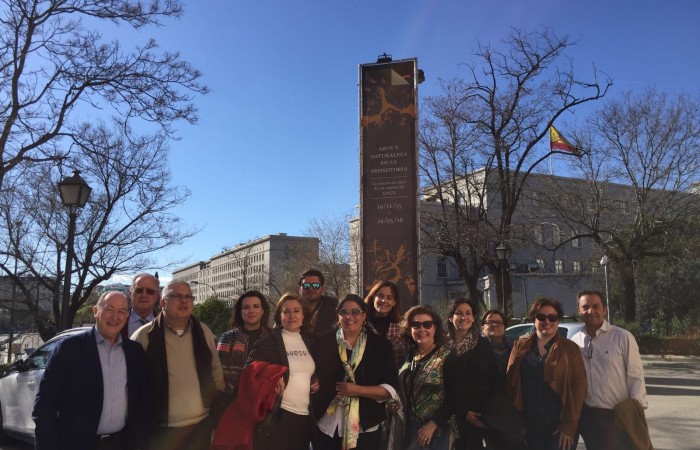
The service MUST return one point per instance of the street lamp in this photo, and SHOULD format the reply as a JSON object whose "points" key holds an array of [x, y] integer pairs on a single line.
{"points": [[197, 283], [604, 262], [503, 255], [74, 194]]}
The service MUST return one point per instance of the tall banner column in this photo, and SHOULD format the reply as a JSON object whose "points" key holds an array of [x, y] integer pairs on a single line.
{"points": [[389, 177]]}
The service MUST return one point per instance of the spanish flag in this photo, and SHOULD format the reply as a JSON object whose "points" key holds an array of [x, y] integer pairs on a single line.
{"points": [[559, 142]]}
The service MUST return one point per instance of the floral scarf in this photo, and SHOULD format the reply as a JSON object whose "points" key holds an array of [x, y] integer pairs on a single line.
{"points": [[352, 404]]}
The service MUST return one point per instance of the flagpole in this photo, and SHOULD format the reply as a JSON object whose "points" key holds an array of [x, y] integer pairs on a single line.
{"points": [[551, 168]]}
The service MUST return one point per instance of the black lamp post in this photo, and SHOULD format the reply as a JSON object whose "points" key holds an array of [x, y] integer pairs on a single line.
{"points": [[503, 255], [74, 194]]}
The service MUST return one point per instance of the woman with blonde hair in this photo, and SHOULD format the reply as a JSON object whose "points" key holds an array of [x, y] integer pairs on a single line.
{"points": [[290, 346]]}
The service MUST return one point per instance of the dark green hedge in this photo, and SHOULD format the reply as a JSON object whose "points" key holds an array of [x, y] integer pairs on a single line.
{"points": [[650, 344]]}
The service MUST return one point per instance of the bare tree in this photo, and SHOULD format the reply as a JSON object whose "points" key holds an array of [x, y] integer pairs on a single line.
{"points": [[492, 121], [53, 70], [642, 159], [333, 233], [128, 218]]}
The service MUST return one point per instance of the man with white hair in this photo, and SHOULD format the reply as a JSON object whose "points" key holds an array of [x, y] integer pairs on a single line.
{"points": [[91, 394], [184, 373]]}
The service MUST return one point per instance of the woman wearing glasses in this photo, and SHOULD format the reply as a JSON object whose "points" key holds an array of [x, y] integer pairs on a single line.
{"points": [[422, 382], [493, 326], [356, 378], [384, 314], [251, 316], [546, 381], [469, 371]]}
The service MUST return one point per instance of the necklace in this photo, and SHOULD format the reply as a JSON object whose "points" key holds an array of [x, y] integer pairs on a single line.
{"points": [[421, 354]]}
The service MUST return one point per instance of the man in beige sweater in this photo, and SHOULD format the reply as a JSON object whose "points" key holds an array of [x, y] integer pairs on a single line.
{"points": [[184, 373]]}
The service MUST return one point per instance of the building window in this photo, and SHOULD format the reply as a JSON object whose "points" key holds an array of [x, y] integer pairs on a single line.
{"points": [[556, 235], [558, 266], [577, 266], [537, 230], [576, 242], [442, 267], [622, 207]]}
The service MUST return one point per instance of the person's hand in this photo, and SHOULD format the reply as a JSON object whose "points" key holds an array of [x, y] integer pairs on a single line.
{"points": [[474, 419], [565, 440], [394, 405], [314, 385], [425, 433], [347, 389], [281, 385]]}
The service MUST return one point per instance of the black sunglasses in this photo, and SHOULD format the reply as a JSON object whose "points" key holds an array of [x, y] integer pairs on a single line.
{"points": [[346, 312], [551, 317], [428, 324], [139, 290], [314, 286]]}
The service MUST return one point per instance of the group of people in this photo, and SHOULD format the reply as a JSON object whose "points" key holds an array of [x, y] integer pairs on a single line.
{"points": [[339, 375]]}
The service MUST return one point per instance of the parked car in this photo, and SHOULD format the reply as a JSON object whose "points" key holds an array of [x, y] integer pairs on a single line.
{"points": [[19, 386], [566, 329]]}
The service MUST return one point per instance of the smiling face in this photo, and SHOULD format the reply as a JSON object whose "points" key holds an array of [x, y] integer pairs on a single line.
{"points": [[591, 309], [384, 301], [351, 317], [110, 315], [546, 328], [251, 312], [463, 318], [292, 315], [422, 336]]}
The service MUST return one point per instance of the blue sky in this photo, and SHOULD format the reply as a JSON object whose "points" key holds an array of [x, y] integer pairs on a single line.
{"points": [[277, 140]]}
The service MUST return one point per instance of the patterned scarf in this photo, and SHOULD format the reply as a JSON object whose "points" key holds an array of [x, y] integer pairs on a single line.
{"points": [[467, 343], [351, 432]]}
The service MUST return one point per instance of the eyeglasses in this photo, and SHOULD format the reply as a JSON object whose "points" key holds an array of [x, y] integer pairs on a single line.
{"points": [[428, 324], [494, 323], [140, 290], [345, 313], [314, 286], [551, 317], [181, 297]]}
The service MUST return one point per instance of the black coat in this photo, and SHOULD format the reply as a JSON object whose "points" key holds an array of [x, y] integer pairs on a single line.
{"points": [[377, 367], [68, 406], [270, 349]]}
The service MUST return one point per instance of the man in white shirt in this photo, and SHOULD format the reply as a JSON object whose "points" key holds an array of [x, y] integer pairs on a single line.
{"points": [[613, 371]]}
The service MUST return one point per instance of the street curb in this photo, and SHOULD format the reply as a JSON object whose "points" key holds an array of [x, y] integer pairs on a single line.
{"points": [[670, 360]]}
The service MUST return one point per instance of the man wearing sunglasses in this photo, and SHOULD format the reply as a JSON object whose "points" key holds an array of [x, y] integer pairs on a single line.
{"points": [[321, 316], [143, 293], [615, 376]]}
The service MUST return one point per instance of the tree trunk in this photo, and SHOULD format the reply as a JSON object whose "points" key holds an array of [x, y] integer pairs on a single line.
{"points": [[629, 291]]}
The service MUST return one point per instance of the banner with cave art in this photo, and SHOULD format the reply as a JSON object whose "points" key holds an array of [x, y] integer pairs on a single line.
{"points": [[389, 177]]}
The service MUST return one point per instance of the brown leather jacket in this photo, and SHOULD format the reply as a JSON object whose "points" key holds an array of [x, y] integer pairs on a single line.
{"points": [[563, 370]]}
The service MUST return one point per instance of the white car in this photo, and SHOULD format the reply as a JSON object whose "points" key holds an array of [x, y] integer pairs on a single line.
{"points": [[19, 386], [566, 329]]}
